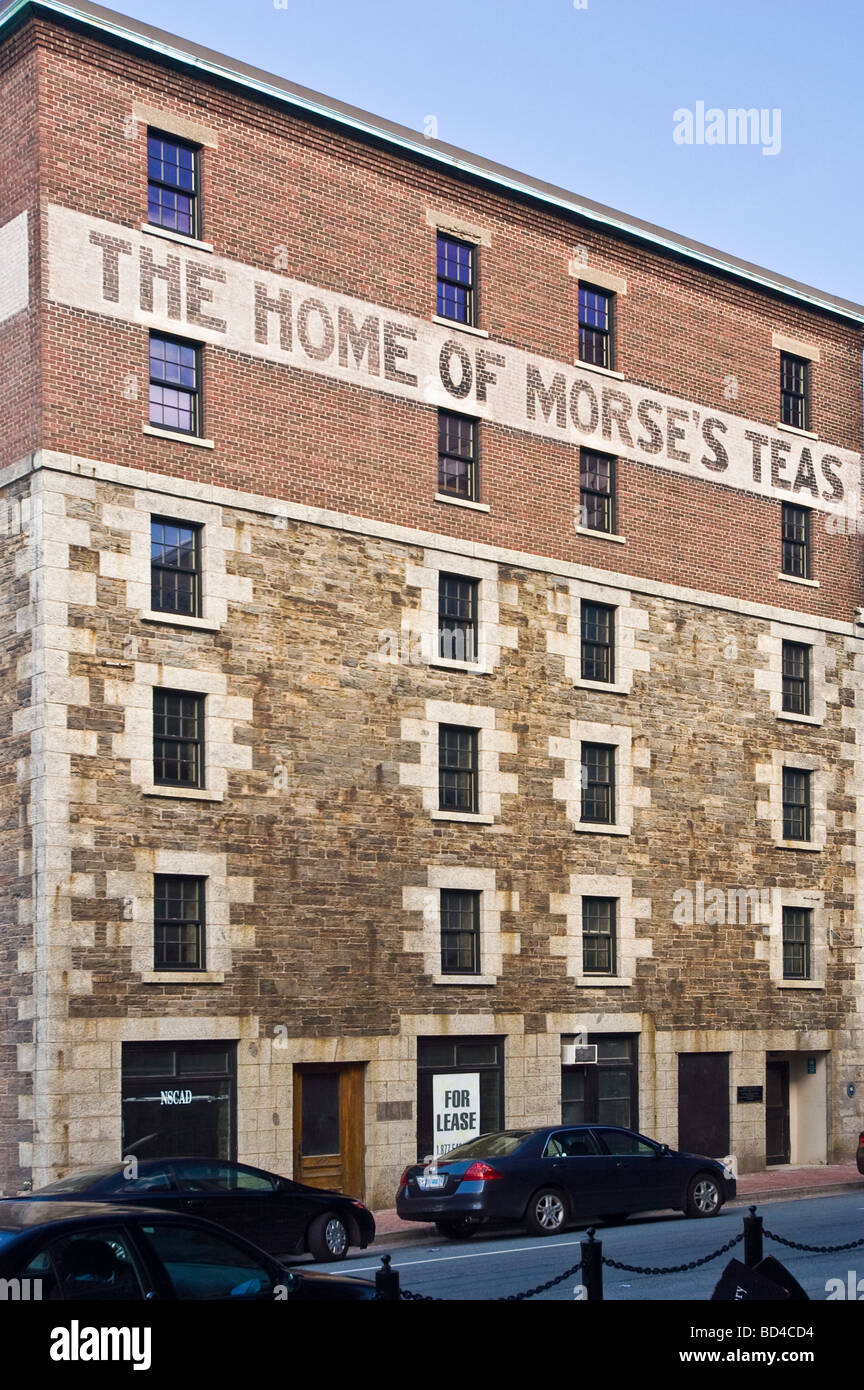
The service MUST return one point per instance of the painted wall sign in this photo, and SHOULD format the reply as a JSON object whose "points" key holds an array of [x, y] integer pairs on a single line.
{"points": [[14, 267], [103, 268], [455, 1109]]}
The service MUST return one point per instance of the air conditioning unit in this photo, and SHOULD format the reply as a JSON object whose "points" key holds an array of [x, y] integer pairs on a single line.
{"points": [[575, 1054]]}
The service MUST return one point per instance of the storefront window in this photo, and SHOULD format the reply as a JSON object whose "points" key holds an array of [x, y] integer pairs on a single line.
{"points": [[605, 1092], [179, 1101], [460, 1091]]}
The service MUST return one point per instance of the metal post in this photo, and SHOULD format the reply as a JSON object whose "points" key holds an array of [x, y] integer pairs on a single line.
{"points": [[387, 1281], [592, 1268], [752, 1239]]}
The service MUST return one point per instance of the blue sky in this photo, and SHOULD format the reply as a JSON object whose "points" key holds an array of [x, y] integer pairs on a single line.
{"points": [[584, 97]]}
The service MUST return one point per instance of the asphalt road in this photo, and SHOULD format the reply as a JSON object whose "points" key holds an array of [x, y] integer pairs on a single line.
{"points": [[492, 1265]]}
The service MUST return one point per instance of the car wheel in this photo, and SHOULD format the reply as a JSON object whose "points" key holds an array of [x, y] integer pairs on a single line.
{"points": [[615, 1218], [547, 1212], [328, 1237], [704, 1197], [457, 1230]]}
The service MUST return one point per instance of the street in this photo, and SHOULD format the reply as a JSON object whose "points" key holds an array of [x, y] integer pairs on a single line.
{"points": [[494, 1265]]}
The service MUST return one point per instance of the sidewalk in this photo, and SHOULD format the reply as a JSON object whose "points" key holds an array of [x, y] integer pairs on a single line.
{"points": [[752, 1188]]}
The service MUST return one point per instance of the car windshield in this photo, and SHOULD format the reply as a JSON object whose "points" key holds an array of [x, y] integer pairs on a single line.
{"points": [[79, 1182], [490, 1145]]}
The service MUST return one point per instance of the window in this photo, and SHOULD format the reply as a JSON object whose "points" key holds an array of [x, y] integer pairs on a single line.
{"points": [[178, 923], [607, 1092], [796, 804], [206, 1264], [796, 943], [596, 491], [796, 540], [175, 374], [175, 567], [796, 678], [598, 782], [457, 769], [457, 276], [172, 184], [598, 936], [598, 642], [457, 456], [178, 738], [595, 326], [794, 405], [460, 932], [457, 617]]}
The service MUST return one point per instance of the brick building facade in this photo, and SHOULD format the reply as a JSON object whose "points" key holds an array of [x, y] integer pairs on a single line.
{"points": [[429, 643]]}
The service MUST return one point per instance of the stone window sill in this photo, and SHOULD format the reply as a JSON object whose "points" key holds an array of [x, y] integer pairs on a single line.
{"points": [[609, 686], [464, 980], [183, 977], [603, 982], [797, 984], [444, 663], [179, 437], [798, 718], [463, 816], [796, 579], [461, 327], [600, 535], [180, 620], [601, 371], [462, 502], [798, 845], [586, 828], [793, 429], [183, 793], [181, 240]]}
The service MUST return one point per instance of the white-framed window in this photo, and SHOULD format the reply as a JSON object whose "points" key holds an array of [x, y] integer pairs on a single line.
{"points": [[796, 948], [794, 655], [571, 602], [598, 786], [581, 951], [423, 625], [797, 800]]}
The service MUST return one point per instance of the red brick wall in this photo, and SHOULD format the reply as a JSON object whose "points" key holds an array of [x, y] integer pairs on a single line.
{"points": [[19, 192], [353, 220]]}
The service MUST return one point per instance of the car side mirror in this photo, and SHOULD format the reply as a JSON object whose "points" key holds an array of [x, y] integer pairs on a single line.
{"points": [[664, 1150]]}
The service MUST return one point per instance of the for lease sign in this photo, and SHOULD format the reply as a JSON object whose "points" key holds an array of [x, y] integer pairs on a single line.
{"points": [[455, 1110], [112, 270]]}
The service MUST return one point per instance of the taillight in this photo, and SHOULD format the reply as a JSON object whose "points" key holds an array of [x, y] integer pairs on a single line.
{"points": [[480, 1172], [861, 1137], [403, 1181]]}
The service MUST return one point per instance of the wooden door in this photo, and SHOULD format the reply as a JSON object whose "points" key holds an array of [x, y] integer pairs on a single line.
{"points": [[328, 1127], [703, 1103], [776, 1111]]}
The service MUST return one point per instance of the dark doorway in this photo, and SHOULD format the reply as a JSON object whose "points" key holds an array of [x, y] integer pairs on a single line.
{"points": [[179, 1100], [776, 1110], [328, 1127], [480, 1060], [703, 1103]]}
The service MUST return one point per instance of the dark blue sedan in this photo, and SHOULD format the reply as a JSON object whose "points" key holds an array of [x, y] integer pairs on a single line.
{"points": [[545, 1178]]}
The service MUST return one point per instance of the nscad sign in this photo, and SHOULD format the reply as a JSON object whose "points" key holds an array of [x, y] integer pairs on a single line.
{"points": [[455, 1110], [106, 269]]}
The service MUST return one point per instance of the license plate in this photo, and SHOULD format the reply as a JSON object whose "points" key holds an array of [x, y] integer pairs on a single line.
{"points": [[432, 1184]]}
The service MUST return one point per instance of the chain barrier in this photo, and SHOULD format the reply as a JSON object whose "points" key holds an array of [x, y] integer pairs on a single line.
{"points": [[673, 1269], [410, 1297], [815, 1249]]}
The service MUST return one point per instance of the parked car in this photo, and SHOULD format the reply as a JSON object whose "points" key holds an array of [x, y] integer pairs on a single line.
{"points": [[860, 1154], [283, 1217], [545, 1178], [90, 1251]]}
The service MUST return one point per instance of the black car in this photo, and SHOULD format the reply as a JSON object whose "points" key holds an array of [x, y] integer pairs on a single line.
{"points": [[545, 1178], [89, 1251], [859, 1156], [283, 1217]]}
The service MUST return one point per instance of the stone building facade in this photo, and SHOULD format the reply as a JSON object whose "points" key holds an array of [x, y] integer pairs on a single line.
{"points": [[320, 1022]]}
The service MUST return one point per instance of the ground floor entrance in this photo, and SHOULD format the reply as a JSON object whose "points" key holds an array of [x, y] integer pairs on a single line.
{"points": [[703, 1103], [329, 1130]]}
